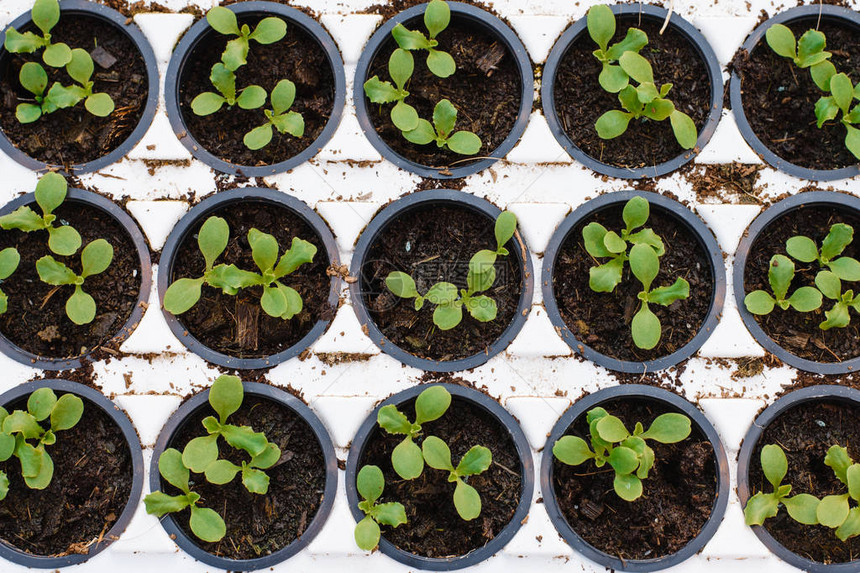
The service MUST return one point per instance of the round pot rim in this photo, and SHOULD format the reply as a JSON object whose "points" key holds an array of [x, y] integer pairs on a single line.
{"points": [[391, 212], [634, 391], [488, 404], [125, 220], [121, 419], [189, 42], [699, 44], [826, 11], [287, 400], [819, 392], [472, 14], [768, 216], [686, 218], [137, 38], [206, 207]]}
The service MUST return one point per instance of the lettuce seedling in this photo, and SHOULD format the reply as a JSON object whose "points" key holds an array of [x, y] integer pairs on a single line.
{"points": [[780, 274], [843, 93], [200, 455], [50, 193], [370, 484], [840, 236], [602, 243], [629, 455], [223, 20], [437, 16], [224, 80], [400, 67], [601, 28], [45, 14], [474, 462], [9, 259], [95, 258], [442, 131], [833, 511], [17, 428], [279, 117], [430, 405], [829, 285], [481, 276], [278, 300], [645, 265]]}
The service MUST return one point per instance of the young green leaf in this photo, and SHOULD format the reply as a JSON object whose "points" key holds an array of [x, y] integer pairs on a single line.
{"points": [[207, 524], [572, 450], [601, 25], [226, 396], [431, 404], [437, 16]]}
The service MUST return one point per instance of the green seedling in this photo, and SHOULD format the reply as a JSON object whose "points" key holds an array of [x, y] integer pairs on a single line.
{"points": [[842, 95], [279, 117], [481, 276], [17, 428], [96, 257], [437, 16], [278, 300], [370, 484], [401, 64], [601, 243], [9, 259], [646, 101], [430, 405], [223, 20], [442, 131], [35, 80], [833, 511], [840, 236], [200, 455], [645, 265], [224, 80], [477, 460], [629, 455], [829, 285], [601, 28], [45, 14], [50, 193], [780, 274]]}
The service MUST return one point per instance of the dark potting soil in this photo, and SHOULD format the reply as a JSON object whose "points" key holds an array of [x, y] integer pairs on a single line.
{"points": [[602, 320], [237, 325], [678, 497], [435, 529], [798, 332], [74, 135], [487, 102], [805, 432], [779, 99], [258, 525], [89, 490], [580, 101], [36, 317], [433, 245], [298, 57]]}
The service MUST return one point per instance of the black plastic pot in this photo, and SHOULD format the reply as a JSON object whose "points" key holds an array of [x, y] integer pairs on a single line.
{"points": [[684, 216], [175, 424], [14, 554], [207, 207], [481, 400], [635, 392], [379, 223], [199, 32], [126, 26], [826, 12], [816, 393], [120, 216], [701, 46], [771, 215], [477, 17]]}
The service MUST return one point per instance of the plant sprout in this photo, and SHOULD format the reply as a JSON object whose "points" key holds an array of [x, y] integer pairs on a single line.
{"points": [[833, 511], [223, 80], [601, 27], [477, 460], [430, 405], [481, 276], [780, 274], [9, 259], [370, 483], [829, 285], [200, 455], [279, 117], [45, 14], [278, 300], [17, 428], [223, 20], [645, 265], [442, 131], [629, 455], [437, 16], [50, 193], [401, 64], [95, 259], [840, 236]]}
